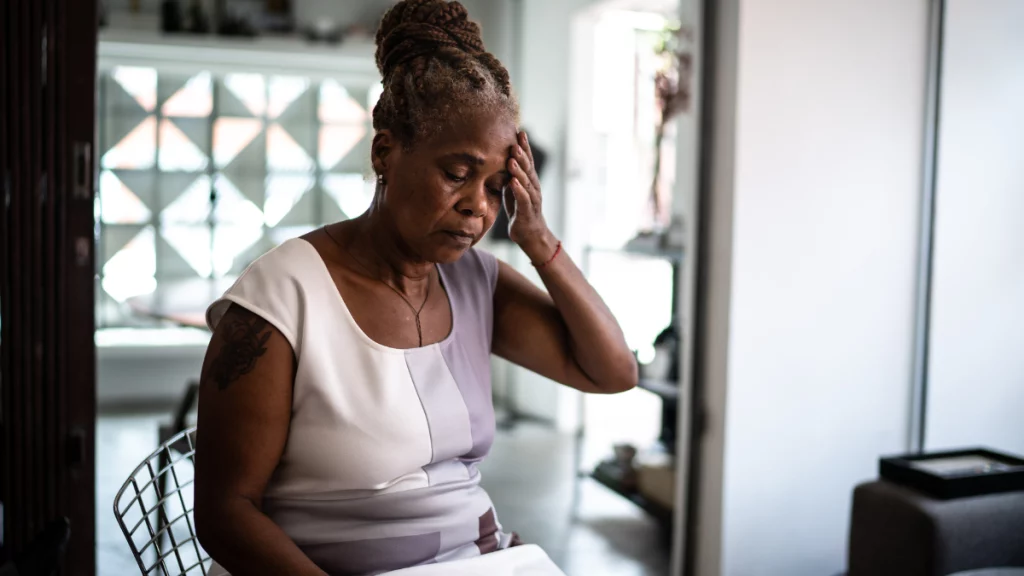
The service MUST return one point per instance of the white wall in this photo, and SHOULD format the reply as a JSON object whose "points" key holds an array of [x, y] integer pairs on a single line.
{"points": [[495, 19], [976, 367], [542, 82], [817, 167]]}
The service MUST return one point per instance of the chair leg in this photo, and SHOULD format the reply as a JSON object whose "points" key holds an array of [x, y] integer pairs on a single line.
{"points": [[161, 515]]}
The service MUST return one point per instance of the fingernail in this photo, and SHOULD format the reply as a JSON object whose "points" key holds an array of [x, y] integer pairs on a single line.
{"points": [[515, 164], [521, 151]]}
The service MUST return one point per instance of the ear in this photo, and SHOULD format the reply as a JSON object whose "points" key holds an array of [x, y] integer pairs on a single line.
{"points": [[384, 147]]}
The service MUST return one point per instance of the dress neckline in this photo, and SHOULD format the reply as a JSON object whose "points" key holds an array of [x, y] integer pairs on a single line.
{"points": [[326, 274]]}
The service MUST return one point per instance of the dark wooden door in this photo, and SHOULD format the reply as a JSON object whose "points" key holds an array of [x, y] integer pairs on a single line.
{"points": [[47, 351]]}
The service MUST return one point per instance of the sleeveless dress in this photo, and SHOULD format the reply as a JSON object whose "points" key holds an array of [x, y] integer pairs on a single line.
{"points": [[379, 471]]}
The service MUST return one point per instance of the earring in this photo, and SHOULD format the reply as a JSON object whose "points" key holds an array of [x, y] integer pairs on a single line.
{"points": [[380, 180]]}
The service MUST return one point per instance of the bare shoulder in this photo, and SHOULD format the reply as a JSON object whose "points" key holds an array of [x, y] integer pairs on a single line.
{"points": [[245, 393], [241, 339], [319, 239], [331, 246]]}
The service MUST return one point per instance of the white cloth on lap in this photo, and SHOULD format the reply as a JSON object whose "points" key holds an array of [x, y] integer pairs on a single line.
{"points": [[527, 560]]}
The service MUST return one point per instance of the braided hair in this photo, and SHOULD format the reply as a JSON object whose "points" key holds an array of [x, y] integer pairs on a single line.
{"points": [[434, 63]]}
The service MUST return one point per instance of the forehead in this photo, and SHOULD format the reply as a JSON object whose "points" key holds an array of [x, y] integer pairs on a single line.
{"points": [[488, 136]]}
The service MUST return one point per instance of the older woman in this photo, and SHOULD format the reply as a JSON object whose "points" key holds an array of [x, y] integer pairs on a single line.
{"points": [[345, 398]]}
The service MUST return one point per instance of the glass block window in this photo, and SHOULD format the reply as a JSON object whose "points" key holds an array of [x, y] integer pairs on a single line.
{"points": [[200, 174]]}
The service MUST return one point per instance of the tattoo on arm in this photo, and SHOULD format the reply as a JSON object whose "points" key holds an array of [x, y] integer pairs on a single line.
{"points": [[245, 341]]}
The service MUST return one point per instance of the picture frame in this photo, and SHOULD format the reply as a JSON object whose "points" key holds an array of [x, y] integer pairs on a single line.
{"points": [[957, 473]]}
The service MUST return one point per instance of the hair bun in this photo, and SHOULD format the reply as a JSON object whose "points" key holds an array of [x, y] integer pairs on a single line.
{"points": [[414, 28]]}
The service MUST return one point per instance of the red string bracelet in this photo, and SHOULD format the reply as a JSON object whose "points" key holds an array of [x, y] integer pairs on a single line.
{"points": [[558, 250]]}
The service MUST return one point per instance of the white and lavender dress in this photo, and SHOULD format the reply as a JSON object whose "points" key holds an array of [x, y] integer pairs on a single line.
{"points": [[379, 471]]}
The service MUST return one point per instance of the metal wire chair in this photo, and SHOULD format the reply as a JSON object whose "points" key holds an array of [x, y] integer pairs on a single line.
{"points": [[156, 516]]}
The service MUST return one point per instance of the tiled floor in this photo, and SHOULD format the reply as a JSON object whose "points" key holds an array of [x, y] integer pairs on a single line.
{"points": [[586, 529]]}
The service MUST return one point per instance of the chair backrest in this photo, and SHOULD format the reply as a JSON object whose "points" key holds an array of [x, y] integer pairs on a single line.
{"points": [[154, 510]]}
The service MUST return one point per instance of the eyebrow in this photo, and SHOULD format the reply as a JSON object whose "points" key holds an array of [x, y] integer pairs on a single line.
{"points": [[467, 157], [474, 160]]}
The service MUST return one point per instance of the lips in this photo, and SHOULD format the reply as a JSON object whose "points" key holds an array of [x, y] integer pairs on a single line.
{"points": [[461, 236]]}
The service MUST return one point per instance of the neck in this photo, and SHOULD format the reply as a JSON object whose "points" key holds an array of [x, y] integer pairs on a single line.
{"points": [[378, 246]]}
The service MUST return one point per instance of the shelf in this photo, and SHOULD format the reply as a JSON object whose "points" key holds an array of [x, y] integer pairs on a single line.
{"points": [[665, 515], [351, 62], [666, 390], [673, 256]]}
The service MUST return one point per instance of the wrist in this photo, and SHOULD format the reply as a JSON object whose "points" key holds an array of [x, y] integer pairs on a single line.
{"points": [[541, 248]]}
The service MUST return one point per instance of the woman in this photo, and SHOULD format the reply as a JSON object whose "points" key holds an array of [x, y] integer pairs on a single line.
{"points": [[345, 398]]}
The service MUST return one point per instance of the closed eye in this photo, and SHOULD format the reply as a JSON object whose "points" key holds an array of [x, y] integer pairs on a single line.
{"points": [[460, 179]]}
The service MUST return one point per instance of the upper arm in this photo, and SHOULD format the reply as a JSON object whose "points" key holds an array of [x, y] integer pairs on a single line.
{"points": [[529, 331], [245, 401]]}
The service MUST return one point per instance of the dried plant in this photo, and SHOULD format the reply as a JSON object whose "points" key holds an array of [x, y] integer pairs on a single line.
{"points": [[673, 92]]}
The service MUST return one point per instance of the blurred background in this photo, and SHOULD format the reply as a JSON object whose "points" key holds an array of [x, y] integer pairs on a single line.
{"points": [[806, 216]]}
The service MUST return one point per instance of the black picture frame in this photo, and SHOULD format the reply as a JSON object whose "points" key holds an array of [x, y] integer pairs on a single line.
{"points": [[960, 479]]}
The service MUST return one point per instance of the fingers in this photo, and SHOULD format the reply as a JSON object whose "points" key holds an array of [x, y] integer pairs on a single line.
{"points": [[524, 143], [517, 170], [524, 154], [523, 200], [524, 179], [518, 154]]}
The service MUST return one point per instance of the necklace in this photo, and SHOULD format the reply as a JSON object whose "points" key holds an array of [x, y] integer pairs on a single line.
{"points": [[415, 311]]}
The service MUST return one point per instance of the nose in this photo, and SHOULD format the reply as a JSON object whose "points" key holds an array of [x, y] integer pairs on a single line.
{"points": [[474, 202]]}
